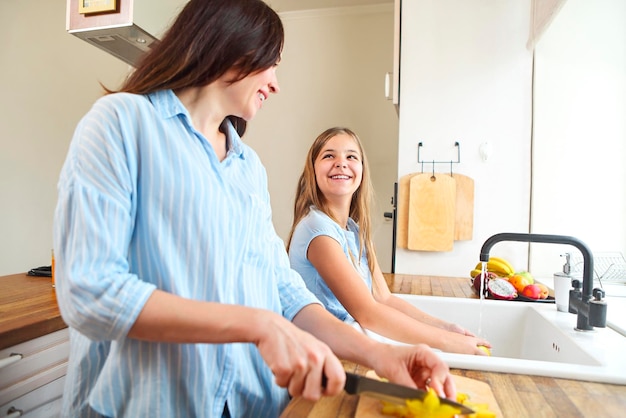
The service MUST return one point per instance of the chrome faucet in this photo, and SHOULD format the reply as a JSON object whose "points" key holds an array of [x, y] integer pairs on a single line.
{"points": [[591, 313]]}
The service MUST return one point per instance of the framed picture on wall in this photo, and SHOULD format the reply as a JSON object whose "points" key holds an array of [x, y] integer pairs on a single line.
{"points": [[96, 6]]}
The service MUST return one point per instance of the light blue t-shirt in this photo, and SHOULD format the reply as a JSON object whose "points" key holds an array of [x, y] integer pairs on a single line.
{"points": [[144, 203], [314, 224]]}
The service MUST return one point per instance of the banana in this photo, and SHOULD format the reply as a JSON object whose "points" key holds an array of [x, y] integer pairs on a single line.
{"points": [[508, 265], [498, 266]]}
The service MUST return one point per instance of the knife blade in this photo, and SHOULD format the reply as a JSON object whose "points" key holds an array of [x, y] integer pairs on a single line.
{"points": [[391, 392]]}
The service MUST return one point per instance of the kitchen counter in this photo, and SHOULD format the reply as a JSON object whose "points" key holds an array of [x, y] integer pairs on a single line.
{"points": [[517, 395], [28, 309]]}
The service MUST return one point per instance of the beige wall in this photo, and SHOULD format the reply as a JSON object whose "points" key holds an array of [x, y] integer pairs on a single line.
{"points": [[332, 73], [49, 79]]}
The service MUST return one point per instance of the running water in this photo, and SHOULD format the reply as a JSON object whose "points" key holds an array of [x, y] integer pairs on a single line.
{"points": [[481, 292]]}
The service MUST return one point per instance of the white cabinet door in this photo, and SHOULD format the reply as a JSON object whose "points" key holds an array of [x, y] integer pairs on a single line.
{"points": [[397, 24], [33, 384], [43, 402]]}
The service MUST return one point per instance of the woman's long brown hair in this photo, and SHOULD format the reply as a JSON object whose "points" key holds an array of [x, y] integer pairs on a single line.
{"points": [[208, 38], [308, 193]]}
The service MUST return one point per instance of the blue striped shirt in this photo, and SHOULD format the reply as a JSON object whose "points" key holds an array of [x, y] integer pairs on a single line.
{"points": [[316, 223], [144, 203]]}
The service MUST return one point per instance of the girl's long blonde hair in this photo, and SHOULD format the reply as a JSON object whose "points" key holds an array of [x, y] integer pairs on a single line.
{"points": [[308, 193]]}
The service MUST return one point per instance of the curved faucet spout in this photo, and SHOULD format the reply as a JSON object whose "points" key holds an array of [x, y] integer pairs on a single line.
{"points": [[548, 239], [581, 309]]}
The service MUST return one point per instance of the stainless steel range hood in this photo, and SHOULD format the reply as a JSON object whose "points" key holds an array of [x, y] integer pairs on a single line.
{"points": [[126, 32]]}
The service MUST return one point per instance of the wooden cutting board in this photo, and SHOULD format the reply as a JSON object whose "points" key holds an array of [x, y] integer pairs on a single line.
{"points": [[464, 209], [432, 212], [464, 212], [402, 211], [479, 392]]}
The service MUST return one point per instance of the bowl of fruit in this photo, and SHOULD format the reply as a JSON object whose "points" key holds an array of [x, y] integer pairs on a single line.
{"points": [[501, 281]]}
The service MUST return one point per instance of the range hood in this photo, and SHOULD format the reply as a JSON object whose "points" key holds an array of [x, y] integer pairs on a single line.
{"points": [[126, 31]]}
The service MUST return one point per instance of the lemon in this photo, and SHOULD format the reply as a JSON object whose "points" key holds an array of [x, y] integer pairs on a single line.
{"points": [[485, 349]]}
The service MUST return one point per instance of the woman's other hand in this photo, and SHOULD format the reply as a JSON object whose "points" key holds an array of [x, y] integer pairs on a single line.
{"points": [[415, 366]]}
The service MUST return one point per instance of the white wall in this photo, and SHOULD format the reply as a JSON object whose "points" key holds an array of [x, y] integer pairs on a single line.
{"points": [[48, 81], [465, 76], [332, 74], [580, 131]]}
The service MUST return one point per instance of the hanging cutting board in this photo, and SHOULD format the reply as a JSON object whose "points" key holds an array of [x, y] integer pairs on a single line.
{"points": [[478, 392], [432, 212], [402, 211], [464, 216]]}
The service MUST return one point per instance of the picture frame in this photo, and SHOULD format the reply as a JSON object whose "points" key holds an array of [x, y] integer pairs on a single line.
{"points": [[96, 6]]}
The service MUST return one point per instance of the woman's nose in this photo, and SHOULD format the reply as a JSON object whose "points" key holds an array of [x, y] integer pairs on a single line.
{"points": [[274, 88], [273, 85]]}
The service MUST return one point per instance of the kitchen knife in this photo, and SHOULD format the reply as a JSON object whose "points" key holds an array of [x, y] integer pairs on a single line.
{"points": [[390, 392]]}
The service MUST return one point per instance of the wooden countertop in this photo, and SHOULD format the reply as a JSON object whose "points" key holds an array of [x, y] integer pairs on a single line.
{"points": [[28, 309], [517, 395]]}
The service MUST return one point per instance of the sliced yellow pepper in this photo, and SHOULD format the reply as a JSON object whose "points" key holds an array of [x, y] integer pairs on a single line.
{"points": [[431, 407]]}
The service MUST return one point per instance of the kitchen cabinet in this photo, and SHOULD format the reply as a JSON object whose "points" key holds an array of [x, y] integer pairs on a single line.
{"points": [[392, 79], [34, 347], [33, 374], [397, 25]]}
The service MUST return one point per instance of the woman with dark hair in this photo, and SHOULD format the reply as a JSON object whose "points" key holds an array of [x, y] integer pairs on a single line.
{"points": [[176, 289], [330, 245]]}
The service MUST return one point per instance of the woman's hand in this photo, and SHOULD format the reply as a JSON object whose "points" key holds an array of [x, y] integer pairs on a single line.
{"points": [[414, 366], [298, 359]]}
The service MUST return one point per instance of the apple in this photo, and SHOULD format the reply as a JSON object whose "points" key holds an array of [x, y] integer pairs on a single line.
{"points": [[532, 291], [544, 291]]}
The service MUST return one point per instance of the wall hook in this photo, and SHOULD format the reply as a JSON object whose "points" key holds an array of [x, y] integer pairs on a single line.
{"points": [[458, 157]]}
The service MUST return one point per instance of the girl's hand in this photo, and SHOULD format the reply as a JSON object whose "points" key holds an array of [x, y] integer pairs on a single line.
{"points": [[458, 329]]}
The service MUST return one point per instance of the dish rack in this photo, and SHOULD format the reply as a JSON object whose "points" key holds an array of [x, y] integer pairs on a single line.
{"points": [[608, 267]]}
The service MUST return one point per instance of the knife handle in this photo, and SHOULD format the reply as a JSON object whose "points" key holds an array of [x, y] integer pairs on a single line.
{"points": [[351, 385]]}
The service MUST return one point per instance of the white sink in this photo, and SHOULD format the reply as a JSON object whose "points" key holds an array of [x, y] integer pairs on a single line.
{"points": [[530, 338]]}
